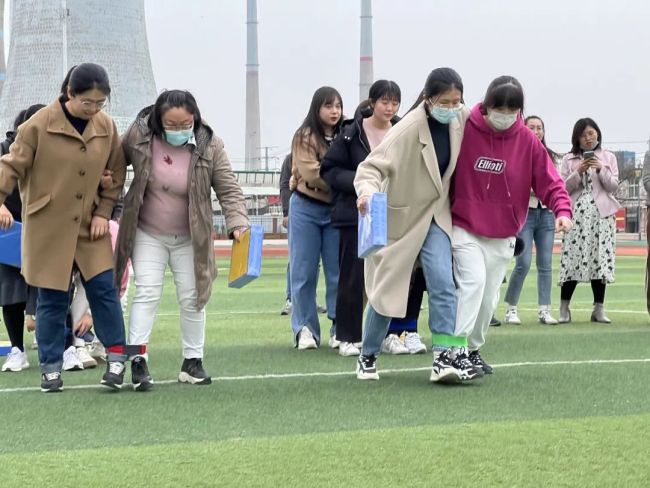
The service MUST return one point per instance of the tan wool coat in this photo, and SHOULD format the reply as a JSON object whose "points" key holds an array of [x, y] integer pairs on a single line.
{"points": [[59, 172], [405, 167], [209, 169]]}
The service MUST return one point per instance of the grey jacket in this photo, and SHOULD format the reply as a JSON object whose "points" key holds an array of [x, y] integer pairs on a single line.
{"points": [[209, 169]]}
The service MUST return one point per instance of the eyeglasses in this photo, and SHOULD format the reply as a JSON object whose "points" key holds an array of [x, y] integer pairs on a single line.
{"points": [[88, 104], [451, 105], [178, 127]]}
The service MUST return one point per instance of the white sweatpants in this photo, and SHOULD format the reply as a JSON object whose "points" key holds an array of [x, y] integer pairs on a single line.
{"points": [[151, 255], [480, 263]]}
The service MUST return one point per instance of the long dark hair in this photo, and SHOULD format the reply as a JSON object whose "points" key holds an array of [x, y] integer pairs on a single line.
{"points": [[84, 77], [504, 91], [378, 90], [171, 99], [554, 156], [578, 129], [312, 123], [439, 81]]}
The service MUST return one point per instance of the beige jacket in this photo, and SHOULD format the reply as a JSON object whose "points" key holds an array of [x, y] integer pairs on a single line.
{"points": [[405, 166], [307, 152]]}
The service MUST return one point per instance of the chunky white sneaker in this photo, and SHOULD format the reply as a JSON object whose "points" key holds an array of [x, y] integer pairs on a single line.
{"points": [[71, 361], [333, 343], [306, 339], [414, 344], [348, 349], [96, 350], [86, 359], [546, 318], [511, 317], [16, 361], [287, 309], [392, 345]]}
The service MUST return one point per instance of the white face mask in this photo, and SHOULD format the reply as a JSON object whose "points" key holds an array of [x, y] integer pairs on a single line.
{"points": [[501, 121]]}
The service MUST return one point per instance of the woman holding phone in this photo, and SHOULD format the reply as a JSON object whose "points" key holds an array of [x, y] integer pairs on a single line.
{"points": [[589, 249]]}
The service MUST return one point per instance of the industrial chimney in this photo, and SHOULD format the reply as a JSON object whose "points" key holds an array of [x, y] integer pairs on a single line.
{"points": [[365, 59], [253, 160]]}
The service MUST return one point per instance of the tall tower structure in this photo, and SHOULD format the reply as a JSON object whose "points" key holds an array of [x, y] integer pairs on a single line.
{"points": [[365, 59], [50, 36], [253, 145], [3, 67]]}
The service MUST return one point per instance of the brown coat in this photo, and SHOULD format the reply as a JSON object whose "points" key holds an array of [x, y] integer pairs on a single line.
{"points": [[405, 166], [209, 169], [59, 173]]}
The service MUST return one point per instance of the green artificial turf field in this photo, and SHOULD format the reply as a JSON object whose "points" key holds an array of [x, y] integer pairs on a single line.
{"points": [[567, 406]]}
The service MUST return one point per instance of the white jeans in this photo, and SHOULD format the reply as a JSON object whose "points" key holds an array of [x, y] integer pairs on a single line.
{"points": [[480, 263], [151, 254]]}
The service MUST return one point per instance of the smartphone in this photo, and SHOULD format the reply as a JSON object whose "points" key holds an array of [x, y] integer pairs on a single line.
{"points": [[587, 155]]}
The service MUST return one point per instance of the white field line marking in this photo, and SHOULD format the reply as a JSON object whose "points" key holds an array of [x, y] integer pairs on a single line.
{"points": [[280, 376], [273, 312]]}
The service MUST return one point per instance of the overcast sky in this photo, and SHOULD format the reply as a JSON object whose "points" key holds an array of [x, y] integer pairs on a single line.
{"points": [[575, 58]]}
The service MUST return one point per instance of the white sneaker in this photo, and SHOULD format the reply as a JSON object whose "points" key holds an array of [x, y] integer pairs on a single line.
{"points": [[71, 361], [333, 343], [511, 317], [348, 349], [34, 343], [86, 359], [16, 361], [392, 345], [414, 344], [546, 318], [96, 350], [306, 339]]}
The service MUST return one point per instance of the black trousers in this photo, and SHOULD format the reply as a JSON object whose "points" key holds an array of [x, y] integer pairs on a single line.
{"points": [[349, 297]]}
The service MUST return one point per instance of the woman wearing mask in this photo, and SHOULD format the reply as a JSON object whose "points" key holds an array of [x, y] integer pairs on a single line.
{"points": [[500, 161], [312, 236], [167, 220], [589, 250], [16, 296], [358, 137], [414, 165], [540, 229], [59, 156]]}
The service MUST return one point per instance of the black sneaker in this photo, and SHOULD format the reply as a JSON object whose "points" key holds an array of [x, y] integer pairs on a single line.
{"points": [[465, 367], [192, 372], [367, 368], [476, 359], [51, 382], [494, 322], [443, 371], [140, 376], [114, 376]]}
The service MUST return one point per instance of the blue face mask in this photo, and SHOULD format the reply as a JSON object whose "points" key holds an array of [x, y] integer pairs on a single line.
{"points": [[443, 115], [178, 137]]}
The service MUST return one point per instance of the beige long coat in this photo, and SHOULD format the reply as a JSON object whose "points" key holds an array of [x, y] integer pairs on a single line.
{"points": [[59, 173], [405, 166]]}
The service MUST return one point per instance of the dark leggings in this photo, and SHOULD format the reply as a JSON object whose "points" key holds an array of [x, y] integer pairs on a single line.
{"points": [[597, 287], [14, 318]]}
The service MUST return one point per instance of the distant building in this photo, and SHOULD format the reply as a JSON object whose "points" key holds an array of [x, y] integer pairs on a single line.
{"points": [[48, 37]]}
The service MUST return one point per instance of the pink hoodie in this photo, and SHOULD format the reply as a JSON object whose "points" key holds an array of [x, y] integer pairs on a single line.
{"points": [[494, 174]]}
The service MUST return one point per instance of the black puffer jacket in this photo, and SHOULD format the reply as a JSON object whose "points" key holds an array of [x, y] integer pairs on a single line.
{"points": [[339, 167], [13, 202]]}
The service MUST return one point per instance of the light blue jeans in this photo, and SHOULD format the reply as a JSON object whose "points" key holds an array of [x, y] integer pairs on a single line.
{"points": [[435, 257], [311, 238], [539, 228]]}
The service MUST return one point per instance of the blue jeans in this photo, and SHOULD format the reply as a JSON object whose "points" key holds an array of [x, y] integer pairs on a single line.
{"points": [[311, 237], [435, 257], [51, 311], [288, 282], [539, 228]]}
